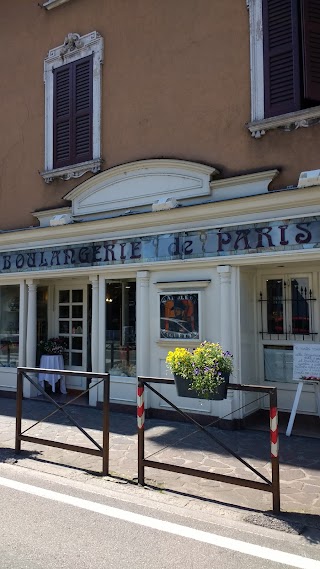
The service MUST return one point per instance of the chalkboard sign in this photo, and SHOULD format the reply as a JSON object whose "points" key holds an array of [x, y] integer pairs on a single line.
{"points": [[306, 360]]}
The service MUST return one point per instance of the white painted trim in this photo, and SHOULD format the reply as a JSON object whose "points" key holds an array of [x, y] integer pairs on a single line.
{"points": [[170, 285], [256, 59], [53, 4], [74, 47]]}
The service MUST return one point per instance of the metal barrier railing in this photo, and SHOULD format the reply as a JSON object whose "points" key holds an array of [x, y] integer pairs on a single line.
{"points": [[272, 485], [101, 451]]}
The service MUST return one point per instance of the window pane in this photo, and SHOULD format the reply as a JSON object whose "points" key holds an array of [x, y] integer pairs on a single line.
{"points": [[76, 327], [63, 327], [121, 328], [64, 296], [9, 326], [77, 311], [77, 295], [278, 363], [64, 311], [275, 306], [77, 343], [300, 308], [76, 359]]}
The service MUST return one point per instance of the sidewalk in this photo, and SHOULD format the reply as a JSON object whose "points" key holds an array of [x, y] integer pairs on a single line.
{"points": [[172, 442]]}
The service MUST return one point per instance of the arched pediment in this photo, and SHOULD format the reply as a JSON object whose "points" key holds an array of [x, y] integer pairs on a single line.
{"points": [[139, 184]]}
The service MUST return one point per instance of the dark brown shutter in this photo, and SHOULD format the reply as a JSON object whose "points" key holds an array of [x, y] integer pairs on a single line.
{"points": [[83, 110], [310, 14], [62, 117], [281, 56], [72, 114]]}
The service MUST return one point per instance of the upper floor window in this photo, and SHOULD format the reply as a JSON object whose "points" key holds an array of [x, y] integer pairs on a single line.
{"points": [[291, 46], [285, 64], [72, 113], [72, 74]]}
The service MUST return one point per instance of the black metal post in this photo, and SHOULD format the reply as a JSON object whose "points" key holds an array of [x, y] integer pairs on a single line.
{"points": [[19, 396], [106, 426], [140, 420]]}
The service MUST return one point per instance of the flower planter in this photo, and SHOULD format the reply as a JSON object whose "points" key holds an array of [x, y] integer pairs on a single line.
{"points": [[183, 389]]}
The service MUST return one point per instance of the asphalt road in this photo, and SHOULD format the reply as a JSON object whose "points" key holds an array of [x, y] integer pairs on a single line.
{"points": [[48, 523]]}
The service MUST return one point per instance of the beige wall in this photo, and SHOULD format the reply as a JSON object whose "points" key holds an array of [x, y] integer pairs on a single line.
{"points": [[176, 83]]}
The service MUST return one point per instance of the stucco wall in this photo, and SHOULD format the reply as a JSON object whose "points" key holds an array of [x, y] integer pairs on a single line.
{"points": [[176, 83]]}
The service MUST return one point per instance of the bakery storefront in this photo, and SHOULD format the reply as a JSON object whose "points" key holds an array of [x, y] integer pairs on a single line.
{"points": [[158, 254]]}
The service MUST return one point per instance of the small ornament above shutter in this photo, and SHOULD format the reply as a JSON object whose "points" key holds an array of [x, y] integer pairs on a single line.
{"points": [[310, 13], [281, 56], [62, 117]]}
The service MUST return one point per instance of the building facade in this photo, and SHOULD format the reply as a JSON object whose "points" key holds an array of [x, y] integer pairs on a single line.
{"points": [[160, 187]]}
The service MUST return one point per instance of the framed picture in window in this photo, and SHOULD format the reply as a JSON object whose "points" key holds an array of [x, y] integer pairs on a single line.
{"points": [[179, 316]]}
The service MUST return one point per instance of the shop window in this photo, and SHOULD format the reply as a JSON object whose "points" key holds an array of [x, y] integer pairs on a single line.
{"points": [[121, 328], [287, 309], [42, 316], [286, 306], [9, 326]]}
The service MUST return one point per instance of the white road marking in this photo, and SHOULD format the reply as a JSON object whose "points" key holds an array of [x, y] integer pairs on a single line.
{"points": [[168, 527]]}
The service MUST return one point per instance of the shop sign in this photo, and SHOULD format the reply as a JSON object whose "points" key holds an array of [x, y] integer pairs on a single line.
{"points": [[211, 243]]}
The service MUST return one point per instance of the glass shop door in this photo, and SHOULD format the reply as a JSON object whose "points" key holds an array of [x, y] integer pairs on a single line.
{"points": [[71, 324]]}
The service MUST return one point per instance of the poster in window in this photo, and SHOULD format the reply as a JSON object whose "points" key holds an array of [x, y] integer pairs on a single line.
{"points": [[179, 316]]}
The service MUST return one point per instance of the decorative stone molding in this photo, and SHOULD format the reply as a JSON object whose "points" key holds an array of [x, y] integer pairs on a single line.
{"points": [[75, 171], [71, 42], [287, 122], [75, 47], [53, 4]]}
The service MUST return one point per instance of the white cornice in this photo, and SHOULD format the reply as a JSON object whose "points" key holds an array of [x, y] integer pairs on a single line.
{"points": [[74, 171], [287, 122], [272, 206], [242, 186]]}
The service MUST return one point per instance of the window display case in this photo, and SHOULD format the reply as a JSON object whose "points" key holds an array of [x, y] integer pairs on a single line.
{"points": [[9, 326]]}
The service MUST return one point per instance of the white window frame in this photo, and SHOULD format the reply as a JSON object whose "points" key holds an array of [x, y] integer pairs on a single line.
{"points": [[75, 47], [259, 125]]}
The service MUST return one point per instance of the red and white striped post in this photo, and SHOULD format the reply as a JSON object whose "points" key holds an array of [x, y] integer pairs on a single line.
{"points": [[140, 421], [274, 443]]}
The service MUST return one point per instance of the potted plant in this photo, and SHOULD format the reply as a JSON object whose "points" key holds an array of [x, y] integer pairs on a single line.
{"points": [[203, 373], [52, 346]]}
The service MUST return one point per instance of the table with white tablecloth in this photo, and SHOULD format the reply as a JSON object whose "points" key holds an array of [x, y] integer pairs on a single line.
{"points": [[56, 363]]}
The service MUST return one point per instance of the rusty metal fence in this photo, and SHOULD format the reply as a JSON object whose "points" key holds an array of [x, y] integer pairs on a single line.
{"points": [[101, 451], [266, 485]]}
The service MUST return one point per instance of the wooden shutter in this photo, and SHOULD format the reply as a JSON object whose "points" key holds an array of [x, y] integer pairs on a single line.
{"points": [[310, 14], [72, 115], [281, 56], [83, 110], [62, 119]]}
